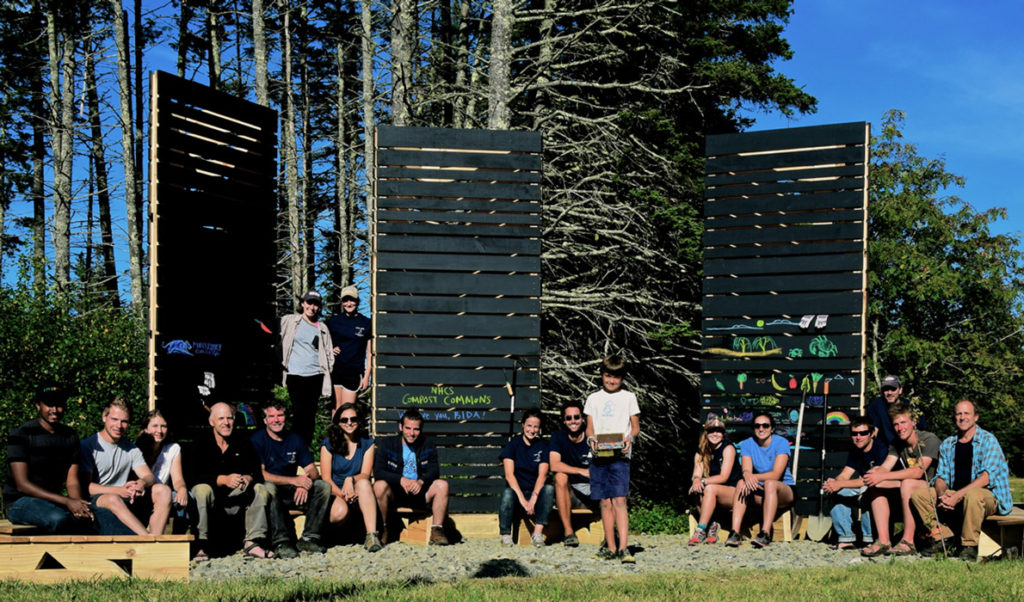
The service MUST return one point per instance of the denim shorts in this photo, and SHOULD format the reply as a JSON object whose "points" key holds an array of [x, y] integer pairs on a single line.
{"points": [[609, 480]]}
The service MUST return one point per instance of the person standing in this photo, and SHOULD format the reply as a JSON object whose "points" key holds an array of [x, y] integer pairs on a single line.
{"points": [[878, 409], [307, 359], [351, 334]]}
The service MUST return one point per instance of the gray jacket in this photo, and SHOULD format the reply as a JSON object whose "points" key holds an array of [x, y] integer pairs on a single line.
{"points": [[289, 324]]}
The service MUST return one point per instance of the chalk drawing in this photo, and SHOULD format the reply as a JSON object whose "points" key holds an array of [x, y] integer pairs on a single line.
{"points": [[822, 347]]}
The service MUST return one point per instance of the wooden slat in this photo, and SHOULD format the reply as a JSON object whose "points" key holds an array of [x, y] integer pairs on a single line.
{"points": [[458, 159], [466, 455], [459, 138], [784, 175], [184, 146], [797, 202], [784, 249], [474, 175], [454, 376], [440, 361], [778, 139], [472, 190], [503, 207], [466, 284], [191, 93], [474, 230], [460, 263], [473, 504], [783, 265], [442, 244], [777, 188], [486, 486], [790, 282], [789, 365], [774, 324], [463, 216], [425, 398], [752, 386], [797, 158], [477, 346], [471, 470], [789, 303], [772, 219], [816, 232]]}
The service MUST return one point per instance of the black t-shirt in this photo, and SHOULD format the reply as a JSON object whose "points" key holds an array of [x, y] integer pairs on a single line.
{"points": [[715, 465], [861, 462], [962, 460], [577, 455], [48, 455]]}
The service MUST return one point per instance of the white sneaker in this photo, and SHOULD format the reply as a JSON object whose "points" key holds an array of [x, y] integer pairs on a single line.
{"points": [[537, 540], [506, 540]]}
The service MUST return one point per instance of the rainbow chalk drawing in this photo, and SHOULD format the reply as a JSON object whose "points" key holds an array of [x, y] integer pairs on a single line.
{"points": [[839, 418]]}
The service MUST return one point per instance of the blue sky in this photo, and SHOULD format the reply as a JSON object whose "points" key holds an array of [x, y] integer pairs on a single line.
{"points": [[955, 68]]}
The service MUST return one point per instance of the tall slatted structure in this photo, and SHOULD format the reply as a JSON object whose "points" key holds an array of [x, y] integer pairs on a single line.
{"points": [[785, 275], [456, 293], [213, 164]]}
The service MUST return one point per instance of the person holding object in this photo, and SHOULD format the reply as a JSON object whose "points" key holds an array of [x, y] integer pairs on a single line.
{"points": [[307, 358], [612, 411], [526, 462], [766, 480], [715, 474]]}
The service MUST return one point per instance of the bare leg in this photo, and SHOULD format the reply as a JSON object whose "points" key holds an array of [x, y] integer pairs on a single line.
{"points": [[367, 504], [117, 506], [621, 521], [339, 511], [714, 495], [161, 497], [776, 494], [563, 501], [880, 516], [608, 522], [907, 488], [382, 491], [343, 396], [739, 508], [437, 497]]}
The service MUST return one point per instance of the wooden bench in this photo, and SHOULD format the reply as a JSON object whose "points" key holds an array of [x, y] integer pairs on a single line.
{"points": [[782, 528], [49, 558], [585, 523], [1000, 533]]}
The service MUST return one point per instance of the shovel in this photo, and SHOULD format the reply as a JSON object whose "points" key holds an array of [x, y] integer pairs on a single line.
{"points": [[818, 526], [796, 451]]}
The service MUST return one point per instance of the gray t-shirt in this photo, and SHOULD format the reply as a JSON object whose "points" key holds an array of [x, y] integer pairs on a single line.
{"points": [[110, 464], [927, 446], [304, 360]]}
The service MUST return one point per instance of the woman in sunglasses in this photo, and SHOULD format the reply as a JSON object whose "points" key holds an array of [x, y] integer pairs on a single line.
{"points": [[715, 474], [347, 455], [766, 480]]}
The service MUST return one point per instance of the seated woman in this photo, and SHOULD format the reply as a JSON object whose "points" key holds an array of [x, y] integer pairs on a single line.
{"points": [[347, 455], [525, 460], [766, 480], [163, 456], [715, 474]]}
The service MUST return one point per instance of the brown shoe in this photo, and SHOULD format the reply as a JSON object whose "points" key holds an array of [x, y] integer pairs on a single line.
{"points": [[437, 537]]}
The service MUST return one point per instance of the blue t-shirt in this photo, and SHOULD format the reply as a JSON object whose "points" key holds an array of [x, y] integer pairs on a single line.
{"points": [[763, 458], [409, 470], [282, 458], [861, 462], [342, 467], [527, 460], [350, 334], [577, 455]]}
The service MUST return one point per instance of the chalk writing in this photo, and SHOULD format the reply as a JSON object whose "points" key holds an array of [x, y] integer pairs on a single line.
{"points": [[445, 395]]}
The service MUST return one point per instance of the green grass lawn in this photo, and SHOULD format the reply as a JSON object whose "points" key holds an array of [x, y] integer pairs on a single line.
{"points": [[926, 580], [1017, 486]]}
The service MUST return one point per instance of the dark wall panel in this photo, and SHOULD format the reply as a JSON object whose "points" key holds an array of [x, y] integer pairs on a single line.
{"points": [[456, 279], [784, 287]]}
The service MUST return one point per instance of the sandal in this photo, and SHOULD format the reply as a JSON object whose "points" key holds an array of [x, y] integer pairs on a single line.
{"points": [[903, 548], [846, 545], [875, 549], [267, 554]]}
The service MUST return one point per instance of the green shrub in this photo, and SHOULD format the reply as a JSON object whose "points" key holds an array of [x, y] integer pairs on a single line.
{"points": [[656, 518]]}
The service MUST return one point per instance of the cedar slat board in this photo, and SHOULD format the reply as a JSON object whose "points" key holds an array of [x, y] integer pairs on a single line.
{"points": [[212, 195], [785, 236], [456, 293]]}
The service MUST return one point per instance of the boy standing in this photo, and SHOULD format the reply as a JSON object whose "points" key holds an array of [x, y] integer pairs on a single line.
{"points": [[612, 411]]}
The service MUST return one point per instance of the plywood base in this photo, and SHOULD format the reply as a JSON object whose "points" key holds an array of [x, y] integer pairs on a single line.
{"points": [[999, 533], [50, 558], [782, 528], [585, 523]]}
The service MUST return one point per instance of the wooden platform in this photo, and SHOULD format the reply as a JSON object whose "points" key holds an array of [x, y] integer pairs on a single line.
{"points": [[585, 523], [782, 529], [999, 533], [51, 558]]}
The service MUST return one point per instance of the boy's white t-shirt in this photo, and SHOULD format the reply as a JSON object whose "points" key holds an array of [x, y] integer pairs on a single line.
{"points": [[611, 412]]}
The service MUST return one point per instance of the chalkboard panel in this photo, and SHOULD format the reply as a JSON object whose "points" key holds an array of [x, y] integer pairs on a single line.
{"points": [[784, 288], [456, 304]]}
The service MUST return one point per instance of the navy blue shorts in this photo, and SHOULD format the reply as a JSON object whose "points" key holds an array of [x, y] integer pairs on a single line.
{"points": [[609, 480]]}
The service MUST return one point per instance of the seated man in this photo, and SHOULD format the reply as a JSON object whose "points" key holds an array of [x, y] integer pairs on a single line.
{"points": [[406, 471], [570, 457], [281, 453], [909, 466], [867, 453], [229, 482], [43, 458], [108, 463], [972, 483]]}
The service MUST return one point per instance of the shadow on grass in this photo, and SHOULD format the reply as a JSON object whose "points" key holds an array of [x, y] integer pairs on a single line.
{"points": [[500, 567]]}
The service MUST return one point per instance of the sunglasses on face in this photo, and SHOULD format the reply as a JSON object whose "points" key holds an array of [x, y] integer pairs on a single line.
{"points": [[762, 425], [860, 433], [346, 420], [572, 417], [714, 429]]}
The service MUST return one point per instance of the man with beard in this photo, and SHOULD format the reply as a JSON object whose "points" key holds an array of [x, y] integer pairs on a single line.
{"points": [[570, 457]]}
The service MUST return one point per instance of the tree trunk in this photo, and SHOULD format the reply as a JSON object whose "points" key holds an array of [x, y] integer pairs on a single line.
{"points": [[213, 35], [296, 268], [544, 56], [38, 187], [183, 36], [61, 124], [128, 160], [109, 283], [140, 120], [499, 92], [309, 207], [401, 60], [369, 95], [343, 248], [259, 49], [460, 55]]}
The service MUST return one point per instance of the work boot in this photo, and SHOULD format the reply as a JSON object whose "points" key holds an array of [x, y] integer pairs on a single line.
{"points": [[286, 550], [372, 543], [571, 541], [969, 554], [437, 537]]}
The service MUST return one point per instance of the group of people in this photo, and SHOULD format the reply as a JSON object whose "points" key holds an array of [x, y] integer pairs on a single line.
{"points": [[893, 472], [107, 485]]}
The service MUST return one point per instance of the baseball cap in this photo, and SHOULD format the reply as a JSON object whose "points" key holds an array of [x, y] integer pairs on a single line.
{"points": [[313, 297], [891, 382]]}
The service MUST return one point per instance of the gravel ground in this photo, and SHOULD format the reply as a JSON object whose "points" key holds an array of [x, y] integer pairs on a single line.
{"points": [[487, 558]]}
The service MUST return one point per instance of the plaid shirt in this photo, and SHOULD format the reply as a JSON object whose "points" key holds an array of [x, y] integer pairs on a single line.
{"points": [[987, 457]]}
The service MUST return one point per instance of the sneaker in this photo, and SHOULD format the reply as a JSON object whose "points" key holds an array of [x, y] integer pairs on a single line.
{"points": [[437, 537], [762, 540], [372, 543], [969, 554], [571, 541], [734, 541], [311, 546], [604, 554], [537, 540], [286, 550], [699, 536], [712, 534], [625, 557], [506, 540]]}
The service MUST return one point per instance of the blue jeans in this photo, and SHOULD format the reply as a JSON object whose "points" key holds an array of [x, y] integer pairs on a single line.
{"points": [[509, 506], [846, 501], [51, 518]]}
